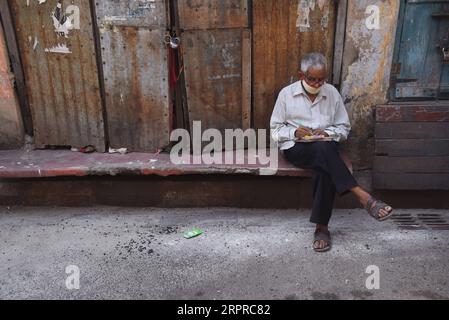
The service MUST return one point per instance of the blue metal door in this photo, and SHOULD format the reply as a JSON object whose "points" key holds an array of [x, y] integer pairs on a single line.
{"points": [[421, 68]]}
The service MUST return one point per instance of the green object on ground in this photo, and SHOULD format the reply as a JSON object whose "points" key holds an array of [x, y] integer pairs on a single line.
{"points": [[193, 233]]}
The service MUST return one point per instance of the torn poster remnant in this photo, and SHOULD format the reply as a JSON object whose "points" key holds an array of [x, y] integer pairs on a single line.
{"points": [[305, 7], [60, 48], [303, 14], [325, 18], [60, 21], [36, 42], [40, 2], [321, 4]]}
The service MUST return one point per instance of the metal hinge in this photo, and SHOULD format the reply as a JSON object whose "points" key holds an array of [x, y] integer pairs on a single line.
{"points": [[444, 47], [445, 51]]}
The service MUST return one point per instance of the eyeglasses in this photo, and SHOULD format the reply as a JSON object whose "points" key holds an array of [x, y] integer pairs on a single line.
{"points": [[315, 80]]}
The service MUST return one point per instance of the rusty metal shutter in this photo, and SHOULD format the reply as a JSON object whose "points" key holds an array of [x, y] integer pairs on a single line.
{"points": [[135, 72], [60, 71]]}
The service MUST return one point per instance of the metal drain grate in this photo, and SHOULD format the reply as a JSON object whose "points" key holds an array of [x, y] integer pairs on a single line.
{"points": [[421, 221], [407, 221]]}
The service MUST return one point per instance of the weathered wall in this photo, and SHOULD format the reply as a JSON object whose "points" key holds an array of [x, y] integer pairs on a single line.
{"points": [[368, 55], [11, 128]]}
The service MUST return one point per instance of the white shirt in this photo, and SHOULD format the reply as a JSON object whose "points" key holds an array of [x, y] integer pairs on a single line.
{"points": [[294, 108]]}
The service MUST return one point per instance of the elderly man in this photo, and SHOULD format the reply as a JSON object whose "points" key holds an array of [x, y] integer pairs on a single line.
{"points": [[309, 120]]}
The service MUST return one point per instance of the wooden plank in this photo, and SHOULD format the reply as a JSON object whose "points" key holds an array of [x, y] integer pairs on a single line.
{"points": [[264, 59], [246, 79], [63, 88], [411, 164], [340, 32], [412, 130], [412, 147], [412, 113], [278, 45], [16, 64], [212, 14], [404, 181], [271, 51], [213, 71]]}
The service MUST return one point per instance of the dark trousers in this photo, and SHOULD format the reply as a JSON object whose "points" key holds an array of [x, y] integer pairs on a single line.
{"points": [[330, 175]]}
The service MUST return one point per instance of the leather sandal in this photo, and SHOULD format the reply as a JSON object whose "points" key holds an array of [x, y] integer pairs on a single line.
{"points": [[321, 235], [374, 211]]}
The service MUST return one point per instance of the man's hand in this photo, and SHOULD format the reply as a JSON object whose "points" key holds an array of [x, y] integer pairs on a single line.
{"points": [[320, 132], [301, 132]]}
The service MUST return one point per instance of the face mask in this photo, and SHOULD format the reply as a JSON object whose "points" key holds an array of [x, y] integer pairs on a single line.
{"points": [[310, 89]]}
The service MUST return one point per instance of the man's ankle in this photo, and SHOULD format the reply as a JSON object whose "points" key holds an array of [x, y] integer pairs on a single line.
{"points": [[321, 227]]}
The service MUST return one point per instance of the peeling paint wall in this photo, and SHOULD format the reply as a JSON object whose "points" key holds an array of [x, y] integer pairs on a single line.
{"points": [[11, 129], [368, 55]]}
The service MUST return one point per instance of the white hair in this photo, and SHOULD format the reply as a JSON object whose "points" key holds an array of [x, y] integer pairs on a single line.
{"points": [[313, 60]]}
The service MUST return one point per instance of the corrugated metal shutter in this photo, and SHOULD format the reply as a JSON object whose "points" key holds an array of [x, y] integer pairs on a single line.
{"points": [[60, 71], [135, 73]]}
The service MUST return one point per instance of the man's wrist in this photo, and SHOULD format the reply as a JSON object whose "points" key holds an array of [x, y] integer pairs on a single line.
{"points": [[294, 133]]}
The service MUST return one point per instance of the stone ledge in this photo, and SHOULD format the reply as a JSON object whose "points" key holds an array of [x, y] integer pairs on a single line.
{"points": [[64, 163]]}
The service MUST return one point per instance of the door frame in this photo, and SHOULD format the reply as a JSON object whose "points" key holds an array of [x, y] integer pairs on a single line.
{"points": [[339, 41]]}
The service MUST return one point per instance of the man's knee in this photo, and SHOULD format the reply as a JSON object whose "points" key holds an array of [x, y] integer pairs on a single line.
{"points": [[325, 146], [321, 175]]}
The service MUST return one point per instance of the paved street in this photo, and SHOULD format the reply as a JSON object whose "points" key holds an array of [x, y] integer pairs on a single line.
{"points": [[140, 253]]}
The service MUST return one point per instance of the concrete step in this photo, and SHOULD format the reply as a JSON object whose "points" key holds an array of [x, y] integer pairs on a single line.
{"points": [[64, 178]]}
